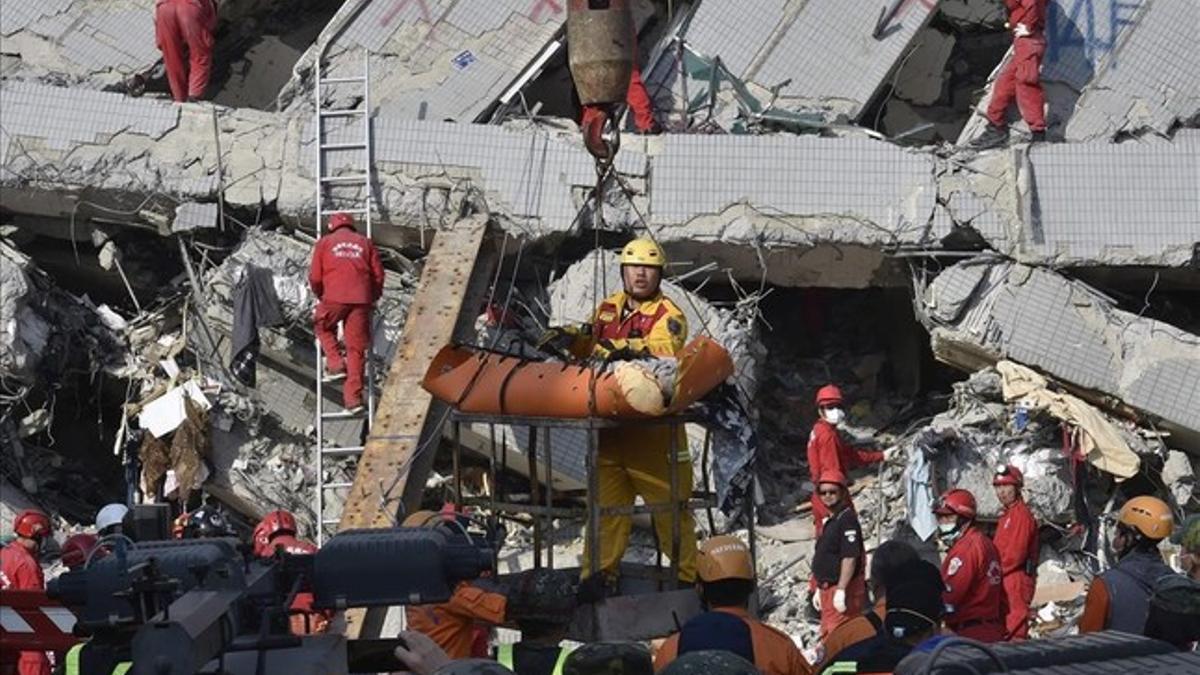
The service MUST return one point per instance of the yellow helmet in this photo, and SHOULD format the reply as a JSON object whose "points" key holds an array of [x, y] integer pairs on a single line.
{"points": [[643, 252], [724, 557], [1149, 515]]}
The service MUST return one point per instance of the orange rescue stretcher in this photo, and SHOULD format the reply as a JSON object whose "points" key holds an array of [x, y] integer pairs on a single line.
{"points": [[478, 381]]}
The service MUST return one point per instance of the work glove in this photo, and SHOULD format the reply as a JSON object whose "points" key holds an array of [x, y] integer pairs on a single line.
{"points": [[839, 600], [1021, 30], [628, 349], [559, 338], [890, 454], [816, 600]]}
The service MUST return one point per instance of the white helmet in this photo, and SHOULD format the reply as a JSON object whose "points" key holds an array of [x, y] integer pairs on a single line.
{"points": [[111, 514]]}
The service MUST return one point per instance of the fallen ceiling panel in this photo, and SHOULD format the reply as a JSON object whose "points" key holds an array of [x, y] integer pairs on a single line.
{"points": [[981, 311]]}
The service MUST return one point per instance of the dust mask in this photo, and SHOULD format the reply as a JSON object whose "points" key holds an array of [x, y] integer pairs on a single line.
{"points": [[834, 416], [947, 528]]}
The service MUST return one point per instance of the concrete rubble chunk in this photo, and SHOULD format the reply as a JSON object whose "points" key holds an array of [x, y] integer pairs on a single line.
{"points": [[979, 312]]}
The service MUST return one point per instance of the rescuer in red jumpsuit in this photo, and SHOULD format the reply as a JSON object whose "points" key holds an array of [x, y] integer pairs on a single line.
{"points": [[277, 530], [1020, 78], [639, 103], [974, 596], [184, 32], [1016, 541], [347, 278], [827, 451], [20, 571]]}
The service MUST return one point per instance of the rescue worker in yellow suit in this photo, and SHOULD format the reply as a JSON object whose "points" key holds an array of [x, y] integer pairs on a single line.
{"points": [[638, 321]]}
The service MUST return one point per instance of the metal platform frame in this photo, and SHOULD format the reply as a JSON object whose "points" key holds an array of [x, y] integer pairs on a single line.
{"points": [[542, 508]]}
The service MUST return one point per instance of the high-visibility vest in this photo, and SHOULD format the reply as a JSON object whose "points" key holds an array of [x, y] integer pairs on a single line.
{"points": [[71, 662], [504, 656]]}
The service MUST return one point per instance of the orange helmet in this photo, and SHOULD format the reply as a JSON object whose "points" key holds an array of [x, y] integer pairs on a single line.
{"points": [[340, 219], [1007, 474], [423, 518], [724, 557], [829, 395], [76, 548], [958, 502], [32, 524], [1149, 515]]}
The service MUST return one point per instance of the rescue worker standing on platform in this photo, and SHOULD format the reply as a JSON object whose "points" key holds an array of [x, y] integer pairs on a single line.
{"points": [[1016, 541], [347, 277], [828, 451], [1119, 599], [1020, 78], [637, 322], [21, 571], [542, 603], [974, 596], [838, 563], [459, 626], [184, 31], [727, 581]]}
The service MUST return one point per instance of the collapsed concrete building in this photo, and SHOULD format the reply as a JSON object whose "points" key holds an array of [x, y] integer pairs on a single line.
{"points": [[813, 224]]}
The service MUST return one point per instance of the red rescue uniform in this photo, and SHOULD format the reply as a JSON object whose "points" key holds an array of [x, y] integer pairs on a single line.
{"points": [[974, 596], [638, 100], [1020, 78], [1016, 541], [347, 277], [184, 32], [304, 619], [20, 571], [827, 451]]}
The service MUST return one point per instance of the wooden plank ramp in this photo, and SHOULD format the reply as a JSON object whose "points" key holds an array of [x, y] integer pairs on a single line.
{"points": [[404, 438]]}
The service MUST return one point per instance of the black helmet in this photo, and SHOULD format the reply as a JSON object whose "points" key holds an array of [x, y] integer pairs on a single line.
{"points": [[544, 595], [206, 522], [609, 658], [710, 662]]}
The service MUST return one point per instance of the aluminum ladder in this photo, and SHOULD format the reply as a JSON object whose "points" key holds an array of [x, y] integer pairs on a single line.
{"points": [[346, 192]]}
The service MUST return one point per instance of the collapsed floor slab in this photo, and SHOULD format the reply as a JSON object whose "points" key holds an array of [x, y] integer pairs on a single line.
{"points": [[823, 56], [1115, 67], [440, 60], [981, 311]]}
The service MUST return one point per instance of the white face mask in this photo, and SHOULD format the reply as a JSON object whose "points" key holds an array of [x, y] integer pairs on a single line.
{"points": [[947, 528], [834, 416]]}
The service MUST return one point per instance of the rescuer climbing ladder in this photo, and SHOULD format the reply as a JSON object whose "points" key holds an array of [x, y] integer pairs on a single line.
{"points": [[342, 139]]}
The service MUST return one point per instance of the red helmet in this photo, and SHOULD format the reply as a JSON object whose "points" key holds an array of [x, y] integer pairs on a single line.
{"points": [[958, 502], [1007, 474], [833, 476], [340, 219], [31, 524], [829, 395], [273, 524], [76, 548]]}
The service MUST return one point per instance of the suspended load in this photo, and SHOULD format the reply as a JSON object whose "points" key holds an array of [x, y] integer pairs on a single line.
{"points": [[600, 45], [478, 381]]}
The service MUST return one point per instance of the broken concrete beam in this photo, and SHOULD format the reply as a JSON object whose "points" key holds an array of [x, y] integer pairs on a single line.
{"points": [[449, 60], [66, 152], [981, 311], [1115, 67], [824, 56], [1132, 203]]}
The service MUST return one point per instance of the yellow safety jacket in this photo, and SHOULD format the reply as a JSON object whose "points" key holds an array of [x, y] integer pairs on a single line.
{"points": [[504, 656], [71, 662]]}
